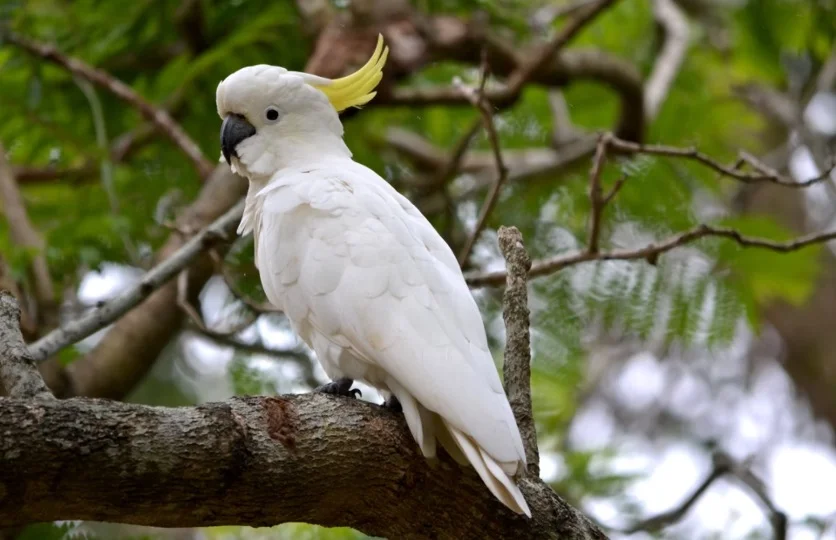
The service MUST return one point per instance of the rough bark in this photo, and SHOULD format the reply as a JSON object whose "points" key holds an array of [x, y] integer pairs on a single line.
{"points": [[517, 363], [18, 374], [252, 461]]}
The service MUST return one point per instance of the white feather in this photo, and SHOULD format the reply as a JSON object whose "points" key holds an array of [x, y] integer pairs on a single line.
{"points": [[369, 284]]}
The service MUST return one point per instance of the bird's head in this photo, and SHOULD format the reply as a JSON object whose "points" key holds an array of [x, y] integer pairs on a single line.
{"points": [[269, 112]]}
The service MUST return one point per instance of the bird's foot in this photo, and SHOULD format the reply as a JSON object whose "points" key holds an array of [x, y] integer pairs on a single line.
{"points": [[339, 387], [393, 404]]}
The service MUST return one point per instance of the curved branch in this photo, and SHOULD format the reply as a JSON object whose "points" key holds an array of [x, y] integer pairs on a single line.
{"points": [[257, 461], [157, 116], [150, 282], [675, 27]]}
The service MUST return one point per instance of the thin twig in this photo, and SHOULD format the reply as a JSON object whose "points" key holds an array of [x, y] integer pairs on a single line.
{"points": [[777, 518], [256, 307], [651, 252], [452, 165], [583, 16], [478, 100], [729, 171], [18, 372], [194, 316], [517, 365], [100, 317], [660, 521], [157, 116], [596, 196]]}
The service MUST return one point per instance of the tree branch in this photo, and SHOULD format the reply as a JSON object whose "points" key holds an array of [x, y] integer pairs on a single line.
{"points": [[670, 58], [18, 374], [517, 363], [730, 171], [477, 97], [161, 119], [25, 235], [153, 280], [660, 521], [651, 252], [254, 461]]}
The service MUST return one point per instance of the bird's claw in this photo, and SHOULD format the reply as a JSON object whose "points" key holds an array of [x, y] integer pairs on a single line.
{"points": [[392, 404], [339, 387]]}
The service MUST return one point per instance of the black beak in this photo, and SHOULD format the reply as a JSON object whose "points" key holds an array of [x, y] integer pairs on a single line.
{"points": [[234, 130]]}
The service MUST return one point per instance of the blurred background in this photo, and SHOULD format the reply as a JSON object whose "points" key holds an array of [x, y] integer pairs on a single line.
{"points": [[691, 398]]}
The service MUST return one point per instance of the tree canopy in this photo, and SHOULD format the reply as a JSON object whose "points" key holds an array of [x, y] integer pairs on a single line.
{"points": [[668, 165]]}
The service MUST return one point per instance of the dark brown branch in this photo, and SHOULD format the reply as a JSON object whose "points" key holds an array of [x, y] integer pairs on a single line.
{"points": [[25, 235], [478, 99], [651, 252], [161, 119], [597, 201], [256, 461], [18, 374], [582, 17], [517, 363], [730, 171], [665, 519]]}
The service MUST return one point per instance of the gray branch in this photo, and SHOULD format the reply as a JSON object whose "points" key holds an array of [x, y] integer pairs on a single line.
{"points": [[157, 277], [517, 364], [256, 461], [18, 374]]}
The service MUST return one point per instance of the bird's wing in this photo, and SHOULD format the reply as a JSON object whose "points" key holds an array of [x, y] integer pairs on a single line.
{"points": [[361, 265]]}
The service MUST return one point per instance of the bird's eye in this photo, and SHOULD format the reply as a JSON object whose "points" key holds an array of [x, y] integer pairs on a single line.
{"points": [[272, 114]]}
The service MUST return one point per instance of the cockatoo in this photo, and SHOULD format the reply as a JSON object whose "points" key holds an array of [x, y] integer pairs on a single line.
{"points": [[363, 277]]}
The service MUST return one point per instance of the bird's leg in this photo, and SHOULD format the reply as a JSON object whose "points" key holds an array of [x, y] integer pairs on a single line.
{"points": [[339, 387], [392, 403]]}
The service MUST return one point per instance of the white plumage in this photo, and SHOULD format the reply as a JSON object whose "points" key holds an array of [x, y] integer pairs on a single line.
{"points": [[366, 281]]}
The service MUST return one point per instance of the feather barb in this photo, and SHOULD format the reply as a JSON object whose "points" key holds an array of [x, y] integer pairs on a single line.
{"points": [[356, 89]]}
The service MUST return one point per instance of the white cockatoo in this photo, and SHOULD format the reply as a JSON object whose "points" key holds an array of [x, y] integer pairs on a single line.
{"points": [[363, 277]]}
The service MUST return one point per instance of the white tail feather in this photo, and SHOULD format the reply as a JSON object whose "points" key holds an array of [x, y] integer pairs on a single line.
{"points": [[499, 483]]}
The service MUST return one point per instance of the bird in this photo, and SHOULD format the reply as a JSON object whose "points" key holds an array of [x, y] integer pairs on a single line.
{"points": [[363, 277]]}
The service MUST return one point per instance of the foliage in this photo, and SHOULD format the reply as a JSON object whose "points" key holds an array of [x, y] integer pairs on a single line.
{"points": [[693, 297]]}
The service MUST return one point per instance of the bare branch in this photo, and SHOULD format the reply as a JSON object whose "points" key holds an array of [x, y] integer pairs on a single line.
{"points": [[730, 171], [478, 99], [596, 197], [517, 364], [660, 521], [582, 17], [675, 27], [18, 373], [255, 461], [154, 279], [25, 235], [777, 519], [161, 119], [651, 252]]}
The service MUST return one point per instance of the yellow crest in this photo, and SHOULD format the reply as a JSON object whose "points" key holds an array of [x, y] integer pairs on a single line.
{"points": [[356, 89]]}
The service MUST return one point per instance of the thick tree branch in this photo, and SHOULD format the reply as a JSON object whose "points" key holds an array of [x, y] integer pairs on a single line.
{"points": [[25, 235], [517, 363], [161, 119], [254, 461], [150, 282], [18, 374]]}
